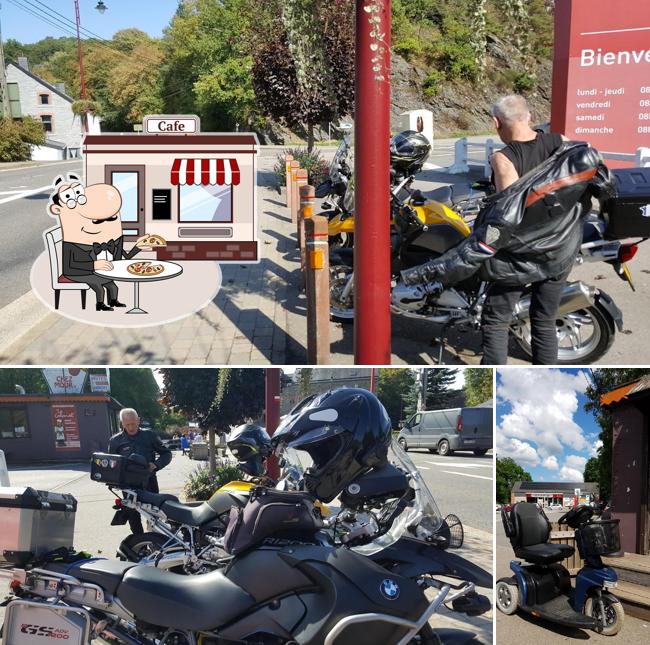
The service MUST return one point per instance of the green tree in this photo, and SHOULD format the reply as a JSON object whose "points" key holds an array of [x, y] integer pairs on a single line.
{"points": [[509, 472], [303, 380], [478, 385], [603, 381], [216, 398], [136, 387], [31, 379], [395, 388], [17, 136], [438, 387], [592, 470]]}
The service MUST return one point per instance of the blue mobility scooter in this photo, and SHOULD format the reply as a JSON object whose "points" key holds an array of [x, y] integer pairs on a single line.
{"points": [[542, 587]]}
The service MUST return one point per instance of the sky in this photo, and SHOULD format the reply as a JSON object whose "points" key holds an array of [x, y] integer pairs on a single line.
{"points": [[541, 422], [151, 16]]}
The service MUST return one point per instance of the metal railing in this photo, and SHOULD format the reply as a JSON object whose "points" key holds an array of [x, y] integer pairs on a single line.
{"points": [[478, 154]]}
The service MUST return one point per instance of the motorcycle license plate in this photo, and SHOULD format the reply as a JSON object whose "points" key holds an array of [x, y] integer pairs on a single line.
{"points": [[121, 517]]}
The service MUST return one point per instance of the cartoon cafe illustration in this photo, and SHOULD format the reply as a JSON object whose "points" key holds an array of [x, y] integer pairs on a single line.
{"points": [[196, 190]]}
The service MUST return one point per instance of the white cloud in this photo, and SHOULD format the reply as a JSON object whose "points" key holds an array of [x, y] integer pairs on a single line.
{"points": [[573, 469], [593, 451], [550, 463], [523, 453], [543, 405], [570, 475]]}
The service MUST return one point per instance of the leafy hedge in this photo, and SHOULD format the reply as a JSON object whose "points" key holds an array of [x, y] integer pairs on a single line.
{"points": [[200, 485]]}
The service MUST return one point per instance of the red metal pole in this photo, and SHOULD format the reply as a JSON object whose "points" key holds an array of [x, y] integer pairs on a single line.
{"points": [[272, 407], [372, 184], [82, 77], [372, 379]]}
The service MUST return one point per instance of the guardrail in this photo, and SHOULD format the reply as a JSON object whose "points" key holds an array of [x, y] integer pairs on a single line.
{"points": [[479, 153]]}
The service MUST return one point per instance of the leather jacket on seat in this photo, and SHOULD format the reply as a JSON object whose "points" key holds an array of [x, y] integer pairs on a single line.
{"points": [[532, 230]]}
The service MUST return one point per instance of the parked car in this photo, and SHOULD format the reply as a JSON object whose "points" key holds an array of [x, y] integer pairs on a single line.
{"points": [[172, 444], [446, 431], [556, 506]]}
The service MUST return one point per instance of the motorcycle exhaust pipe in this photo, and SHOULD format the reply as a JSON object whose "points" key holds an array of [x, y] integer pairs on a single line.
{"points": [[575, 295]]}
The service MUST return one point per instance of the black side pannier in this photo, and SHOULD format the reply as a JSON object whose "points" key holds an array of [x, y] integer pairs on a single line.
{"points": [[627, 213], [285, 515], [118, 470], [601, 538]]}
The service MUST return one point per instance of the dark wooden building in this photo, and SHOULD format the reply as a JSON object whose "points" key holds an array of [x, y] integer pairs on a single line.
{"points": [[630, 408], [37, 428]]}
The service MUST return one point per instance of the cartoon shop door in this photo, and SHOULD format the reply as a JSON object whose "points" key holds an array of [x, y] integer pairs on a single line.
{"points": [[129, 180]]}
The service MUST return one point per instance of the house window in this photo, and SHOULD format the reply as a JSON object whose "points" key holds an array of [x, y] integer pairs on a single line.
{"points": [[47, 122], [13, 423], [44, 99], [204, 203]]}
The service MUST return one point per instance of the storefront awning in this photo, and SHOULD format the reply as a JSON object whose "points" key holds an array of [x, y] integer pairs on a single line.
{"points": [[205, 171]]}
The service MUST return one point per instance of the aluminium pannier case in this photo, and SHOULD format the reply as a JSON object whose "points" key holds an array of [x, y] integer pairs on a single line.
{"points": [[628, 212], [117, 470], [34, 522]]}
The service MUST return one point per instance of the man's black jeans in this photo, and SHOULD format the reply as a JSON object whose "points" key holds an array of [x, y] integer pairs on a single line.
{"points": [[135, 521], [497, 316]]}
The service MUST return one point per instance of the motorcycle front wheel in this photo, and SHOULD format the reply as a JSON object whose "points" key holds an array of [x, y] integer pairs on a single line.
{"points": [[341, 304], [584, 336]]}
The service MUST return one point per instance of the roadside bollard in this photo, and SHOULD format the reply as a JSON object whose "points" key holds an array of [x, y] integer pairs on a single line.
{"points": [[287, 178], [301, 180], [317, 288], [307, 199], [295, 166]]}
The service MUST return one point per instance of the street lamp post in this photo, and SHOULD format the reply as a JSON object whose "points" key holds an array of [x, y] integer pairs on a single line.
{"points": [[101, 7], [82, 77], [272, 412], [372, 184]]}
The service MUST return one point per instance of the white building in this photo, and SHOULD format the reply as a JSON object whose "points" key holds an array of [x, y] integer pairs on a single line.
{"points": [[30, 95]]}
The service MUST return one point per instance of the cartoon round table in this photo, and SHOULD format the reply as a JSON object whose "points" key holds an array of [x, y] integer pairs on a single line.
{"points": [[120, 274]]}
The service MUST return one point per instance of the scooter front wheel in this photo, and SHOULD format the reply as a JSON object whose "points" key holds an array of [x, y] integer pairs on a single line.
{"points": [[614, 613], [507, 596]]}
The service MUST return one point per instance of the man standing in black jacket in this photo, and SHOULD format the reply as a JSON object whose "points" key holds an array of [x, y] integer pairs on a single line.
{"points": [[515, 251], [146, 443]]}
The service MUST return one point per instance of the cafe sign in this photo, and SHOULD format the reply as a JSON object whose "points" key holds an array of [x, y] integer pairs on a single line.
{"points": [[171, 124]]}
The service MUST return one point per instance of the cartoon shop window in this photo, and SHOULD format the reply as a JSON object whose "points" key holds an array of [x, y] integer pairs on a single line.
{"points": [[47, 121], [13, 423], [44, 98], [205, 189]]}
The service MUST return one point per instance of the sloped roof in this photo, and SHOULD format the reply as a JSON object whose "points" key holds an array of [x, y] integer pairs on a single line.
{"points": [[560, 487], [50, 87], [625, 391]]}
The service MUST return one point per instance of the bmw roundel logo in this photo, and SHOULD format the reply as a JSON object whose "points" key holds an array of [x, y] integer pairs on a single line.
{"points": [[389, 589]]}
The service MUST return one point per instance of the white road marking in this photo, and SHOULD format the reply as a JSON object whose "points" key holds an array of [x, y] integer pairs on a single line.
{"points": [[451, 472], [458, 464], [422, 467], [26, 193]]}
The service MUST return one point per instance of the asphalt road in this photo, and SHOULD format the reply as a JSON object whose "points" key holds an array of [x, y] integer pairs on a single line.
{"points": [[94, 533], [462, 484], [24, 219], [523, 628]]}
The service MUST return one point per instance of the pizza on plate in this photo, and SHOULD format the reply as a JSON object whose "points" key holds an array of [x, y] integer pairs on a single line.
{"points": [[145, 268], [153, 241]]}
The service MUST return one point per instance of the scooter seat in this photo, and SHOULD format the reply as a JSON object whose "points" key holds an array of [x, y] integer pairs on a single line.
{"points": [[544, 553], [196, 603], [190, 515], [105, 573], [155, 499]]}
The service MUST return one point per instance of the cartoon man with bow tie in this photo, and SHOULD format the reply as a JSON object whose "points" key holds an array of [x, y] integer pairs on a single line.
{"points": [[92, 234]]}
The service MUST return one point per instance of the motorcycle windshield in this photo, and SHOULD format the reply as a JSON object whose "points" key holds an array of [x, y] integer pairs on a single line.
{"points": [[422, 511]]}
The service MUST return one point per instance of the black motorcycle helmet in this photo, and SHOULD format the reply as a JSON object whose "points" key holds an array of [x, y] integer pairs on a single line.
{"points": [[345, 431], [408, 152], [251, 445]]}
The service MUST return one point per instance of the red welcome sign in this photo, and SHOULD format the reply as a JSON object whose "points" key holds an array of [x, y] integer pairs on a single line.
{"points": [[601, 73]]}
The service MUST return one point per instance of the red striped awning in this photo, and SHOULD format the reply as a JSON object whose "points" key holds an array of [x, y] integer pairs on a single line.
{"points": [[205, 171]]}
